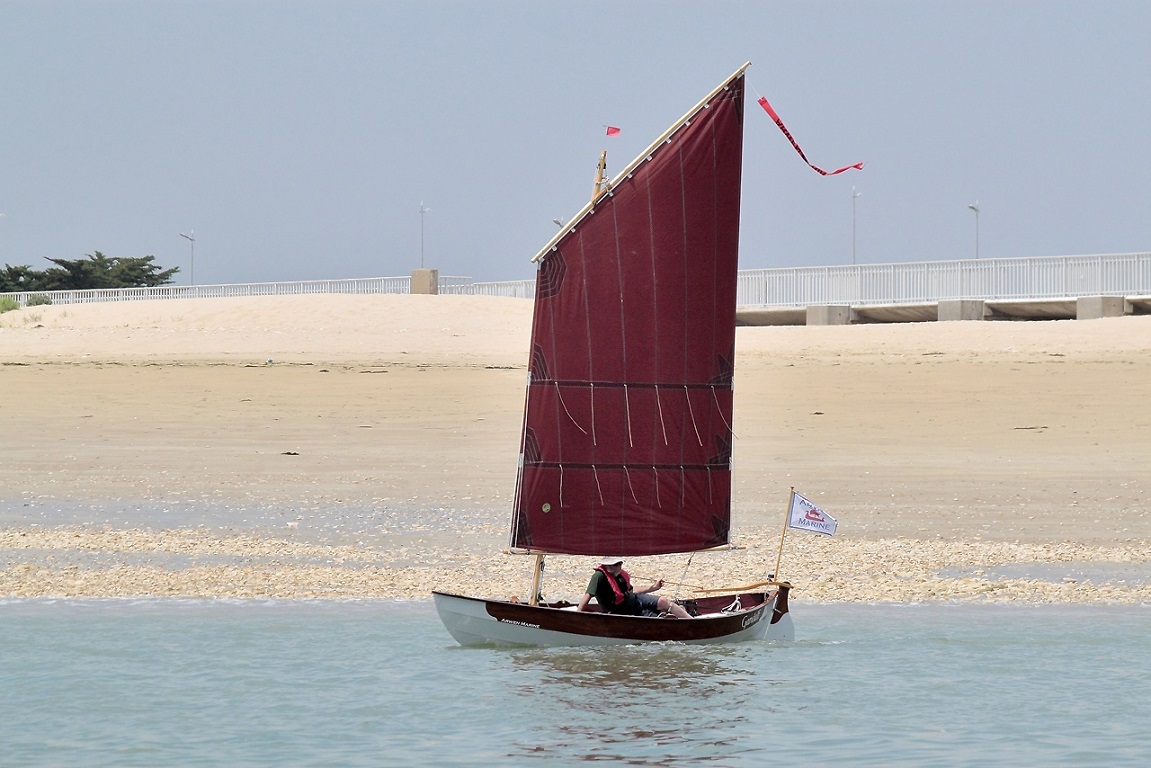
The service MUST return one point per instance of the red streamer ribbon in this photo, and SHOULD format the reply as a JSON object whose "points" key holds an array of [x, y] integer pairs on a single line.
{"points": [[772, 114]]}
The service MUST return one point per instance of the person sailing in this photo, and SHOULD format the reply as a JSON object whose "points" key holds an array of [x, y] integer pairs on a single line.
{"points": [[611, 587]]}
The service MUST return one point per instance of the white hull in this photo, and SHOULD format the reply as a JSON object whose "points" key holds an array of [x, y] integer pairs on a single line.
{"points": [[473, 621]]}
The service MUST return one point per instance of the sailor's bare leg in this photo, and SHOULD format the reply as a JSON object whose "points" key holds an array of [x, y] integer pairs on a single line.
{"points": [[674, 608]]}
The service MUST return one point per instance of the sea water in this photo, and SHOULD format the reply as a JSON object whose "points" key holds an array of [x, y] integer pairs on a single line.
{"points": [[175, 682]]}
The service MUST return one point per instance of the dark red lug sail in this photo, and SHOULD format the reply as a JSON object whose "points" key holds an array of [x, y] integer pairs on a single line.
{"points": [[626, 448]]}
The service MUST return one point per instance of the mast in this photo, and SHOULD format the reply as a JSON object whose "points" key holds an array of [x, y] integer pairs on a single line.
{"points": [[598, 188]]}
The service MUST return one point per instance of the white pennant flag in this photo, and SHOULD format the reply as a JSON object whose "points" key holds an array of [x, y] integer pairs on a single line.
{"points": [[805, 516]]}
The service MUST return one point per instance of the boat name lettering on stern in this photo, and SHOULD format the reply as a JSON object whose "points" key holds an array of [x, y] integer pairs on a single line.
{"points": [[751, 618]]}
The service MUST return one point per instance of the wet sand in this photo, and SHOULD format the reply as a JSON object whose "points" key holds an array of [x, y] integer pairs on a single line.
{"points": [[344, 446]]}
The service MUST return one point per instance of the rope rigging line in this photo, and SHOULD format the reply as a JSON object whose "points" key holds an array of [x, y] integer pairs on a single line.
{"points": [[659, 406], [560, 397], [593, 440], [630, 487], [627, 409], [719, 408], [683, 575], [691, 413]]}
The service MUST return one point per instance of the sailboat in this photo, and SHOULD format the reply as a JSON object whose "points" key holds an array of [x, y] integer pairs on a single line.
{"points": [[626, 445]]}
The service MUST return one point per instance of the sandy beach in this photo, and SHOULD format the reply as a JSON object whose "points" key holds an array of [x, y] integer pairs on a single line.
{"points": [[365, 446]]}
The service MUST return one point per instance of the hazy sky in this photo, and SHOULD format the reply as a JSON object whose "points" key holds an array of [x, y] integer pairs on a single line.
{"points": [[299, 139]]}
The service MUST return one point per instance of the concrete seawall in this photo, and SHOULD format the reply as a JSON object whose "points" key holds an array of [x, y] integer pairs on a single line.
{"points": [[1081, 308]]}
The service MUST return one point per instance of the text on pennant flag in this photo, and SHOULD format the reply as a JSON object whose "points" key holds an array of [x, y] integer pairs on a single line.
{"points": [[805, 516], [775, 117]]}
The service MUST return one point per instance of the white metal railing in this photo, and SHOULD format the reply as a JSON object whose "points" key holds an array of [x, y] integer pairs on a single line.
{"points": [[1043, 277], [514, 289], [924, 282], [517, 289], [357, 285]]}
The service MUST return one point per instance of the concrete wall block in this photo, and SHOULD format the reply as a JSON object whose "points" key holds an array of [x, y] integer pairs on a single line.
{"points": [[961, 309], [829, 314], [425, 281], [1094, 307]]}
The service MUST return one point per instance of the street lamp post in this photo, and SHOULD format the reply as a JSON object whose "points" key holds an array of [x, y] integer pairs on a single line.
{"points": [[423, 210], [854, 196], [975, 207], [190, 236]]}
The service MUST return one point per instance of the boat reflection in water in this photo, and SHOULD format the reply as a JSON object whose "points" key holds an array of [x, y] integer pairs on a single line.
{"points": [[651, 704]]}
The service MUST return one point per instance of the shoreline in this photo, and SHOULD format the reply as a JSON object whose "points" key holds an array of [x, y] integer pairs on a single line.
{"points": [[90, 562]]}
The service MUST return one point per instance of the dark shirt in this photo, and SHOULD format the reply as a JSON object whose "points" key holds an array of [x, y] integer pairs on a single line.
{"points": [[605, 596]]}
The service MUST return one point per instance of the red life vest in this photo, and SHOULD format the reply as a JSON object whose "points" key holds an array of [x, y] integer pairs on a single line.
{"points": [[619, 593]]}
